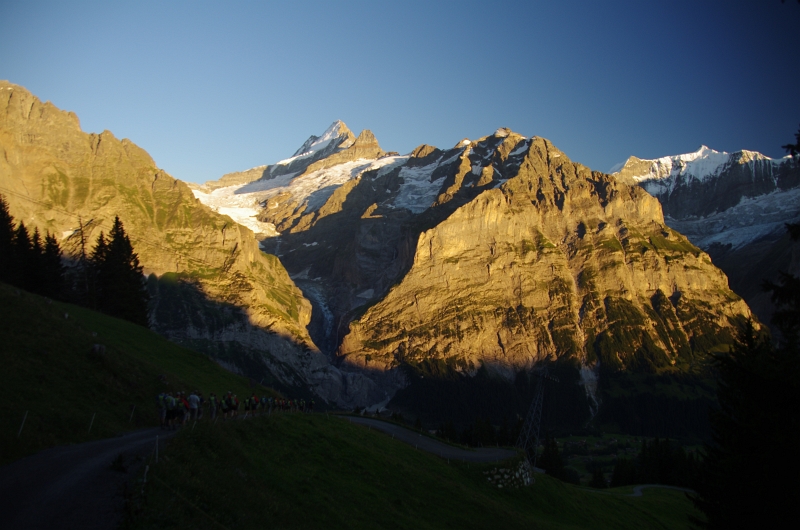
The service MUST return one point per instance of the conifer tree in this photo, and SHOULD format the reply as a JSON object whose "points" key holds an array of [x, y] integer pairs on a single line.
{"points": [[624, 473], [551, 460], [52, 281], [748, 476], [598, 480], [6, 238], [33, 271], [20, 256], [119, 284], [739, 483]]}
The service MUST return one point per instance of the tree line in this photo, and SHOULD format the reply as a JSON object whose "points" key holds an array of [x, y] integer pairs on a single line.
{"points": [[109, 278]]}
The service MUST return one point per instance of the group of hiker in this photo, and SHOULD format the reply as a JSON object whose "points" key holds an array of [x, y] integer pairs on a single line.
{"points": [[178, 408]]}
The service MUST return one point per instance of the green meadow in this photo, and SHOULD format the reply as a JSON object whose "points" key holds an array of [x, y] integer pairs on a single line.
{"points": [[281, 471]]}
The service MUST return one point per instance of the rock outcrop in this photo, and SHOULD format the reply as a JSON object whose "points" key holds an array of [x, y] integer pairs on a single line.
{"points": [[558, 261], [734, 206], [213, 288], [496, 254]]}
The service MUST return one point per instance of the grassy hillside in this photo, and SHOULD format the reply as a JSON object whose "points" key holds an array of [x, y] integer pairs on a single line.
{"points": [[285, 471], [49, 370], [314, 471]]}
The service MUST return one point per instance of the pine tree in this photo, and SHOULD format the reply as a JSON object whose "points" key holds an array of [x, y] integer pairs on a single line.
{"points": [[119, 284], [33, 273], [624, 473], [52, 282], [6, 238], [20, 256], [598, 480], [551, 460], [748, 476]]}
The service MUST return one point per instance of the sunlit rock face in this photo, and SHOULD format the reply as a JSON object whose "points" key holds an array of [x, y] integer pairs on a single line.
{"points": [[213, 288], [557, 261], [732, 205], [496, 253]]}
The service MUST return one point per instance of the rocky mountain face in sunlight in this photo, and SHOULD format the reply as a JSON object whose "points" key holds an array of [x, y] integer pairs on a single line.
{"points": [[732, 205], [497, 253], [213, 289], [452, 266]]}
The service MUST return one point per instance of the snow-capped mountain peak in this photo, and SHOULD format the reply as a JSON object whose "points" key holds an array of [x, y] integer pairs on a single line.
{"points": [[317, 143], [718, 197]]}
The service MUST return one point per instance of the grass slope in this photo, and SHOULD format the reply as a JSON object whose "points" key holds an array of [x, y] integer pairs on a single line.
{"points": [[285, 471], [313, 471], [49, 370]]}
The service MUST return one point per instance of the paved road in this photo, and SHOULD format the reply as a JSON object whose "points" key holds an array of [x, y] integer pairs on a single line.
{"points": [[72, 486], [637, 490], [425, 443]]}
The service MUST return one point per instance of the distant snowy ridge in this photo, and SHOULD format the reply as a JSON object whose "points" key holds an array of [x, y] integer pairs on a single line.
{"points": [[295, 181], [664, 174], [318, 143], [720, 198]]}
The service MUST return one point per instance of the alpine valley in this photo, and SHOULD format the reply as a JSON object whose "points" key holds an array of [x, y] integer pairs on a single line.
{"points": [[432, 283]]}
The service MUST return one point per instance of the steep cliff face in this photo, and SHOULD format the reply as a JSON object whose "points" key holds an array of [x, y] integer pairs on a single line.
{"points": [[213, 288], [734, 206], [556, 262], [464, 264], [707, 181]]}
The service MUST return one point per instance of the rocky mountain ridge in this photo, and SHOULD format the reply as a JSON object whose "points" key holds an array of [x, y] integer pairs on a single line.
{"points": [[734, 206], [474, 263], [213, 289], [497, 254]]}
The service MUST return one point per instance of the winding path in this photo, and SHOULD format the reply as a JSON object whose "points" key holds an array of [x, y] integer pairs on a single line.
{"points": [[425, 443], [73, 486], [637, 490]]}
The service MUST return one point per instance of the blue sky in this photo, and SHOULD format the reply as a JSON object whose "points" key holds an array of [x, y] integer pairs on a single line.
{"points": [[213, 87]]}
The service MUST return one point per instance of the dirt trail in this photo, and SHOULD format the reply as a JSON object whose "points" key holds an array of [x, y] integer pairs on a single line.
{"points": [[424, 443], [637, 490], [73, 486]]}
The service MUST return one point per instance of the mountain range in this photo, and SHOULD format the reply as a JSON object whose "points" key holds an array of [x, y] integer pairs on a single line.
{"points": [[419, 281], [734, 206]]}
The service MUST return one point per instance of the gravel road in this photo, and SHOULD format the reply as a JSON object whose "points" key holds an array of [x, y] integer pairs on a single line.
{"points": [[424, 443], [74, 486]]}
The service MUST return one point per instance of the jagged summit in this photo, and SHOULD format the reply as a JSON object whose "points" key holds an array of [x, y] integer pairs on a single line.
{"points": [[700, 164], [498, 253], [732, 205], [337, 133]]}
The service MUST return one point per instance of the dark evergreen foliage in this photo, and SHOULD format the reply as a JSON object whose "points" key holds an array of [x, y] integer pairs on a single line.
{"points": [[624, 473], [786, 297], [110, 279], [449, 395], [21, 255], [794, 149], [748, 477], [598, 480], [551, 460], [658, 462], [119, 286], [26, 261], [672, 405], [6, 237], [52, 283]]}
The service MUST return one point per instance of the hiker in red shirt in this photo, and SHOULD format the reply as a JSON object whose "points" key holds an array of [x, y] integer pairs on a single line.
{"points": [[185, 409]]}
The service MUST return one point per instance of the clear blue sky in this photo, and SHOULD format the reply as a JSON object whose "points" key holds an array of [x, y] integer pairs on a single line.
{"points": [[213, 87]]}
